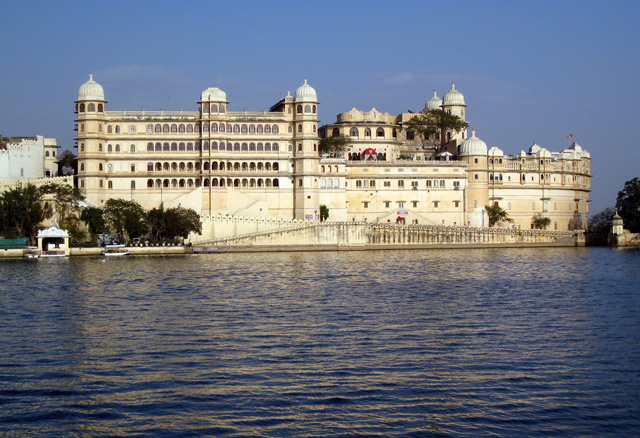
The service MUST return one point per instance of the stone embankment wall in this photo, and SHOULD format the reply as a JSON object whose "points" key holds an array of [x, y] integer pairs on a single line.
{"points": [[367, 235], [216, 227]]}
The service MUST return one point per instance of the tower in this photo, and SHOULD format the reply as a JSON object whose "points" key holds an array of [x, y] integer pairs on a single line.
{"points": [[90, 124], [305, 154], [473, 151]]}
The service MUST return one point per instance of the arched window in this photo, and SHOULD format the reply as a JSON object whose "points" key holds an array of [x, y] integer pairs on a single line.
{"points": [[214, 127], [353, 132], [244, 129], [299, 109], [222, 145], [205, 108], [82, 107], [196, 128], [205, 127], [276, 147], [229, 128], [252, 129], [109, 148], [158, 128], [214, 108], [181, 128], [380, 132], [91, 107], [367, 132], [174, 146], [267, 147], [117, 129], [276, 183], [300, 128], [158, 146], [149, 147], [267, 129], [174, 128], [99, 147], [214, 145], [252, 146], [132, 148], [100, 167], [236, 146], [190, 146], [109, 129], [110, 184], [245, 147], [189, 128], [275, 129], [165, 128], [259, 129], [82, 167], [221, 127], [149, 183], [182, 147], [165, 147], [117, 148], [149, 167], [307, 109], [133, 185], [275, 167], [236, 129], [335, 132], [260, 147], [314, 109]]}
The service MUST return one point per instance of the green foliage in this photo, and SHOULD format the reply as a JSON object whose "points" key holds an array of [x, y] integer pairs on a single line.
{"points": [[125, 218], [22, 209], [601, 222], [173, 222], [93, 217], [496, 214], [324, 213], [428, 124], [628, 205], [541, 222], [337, 143]]}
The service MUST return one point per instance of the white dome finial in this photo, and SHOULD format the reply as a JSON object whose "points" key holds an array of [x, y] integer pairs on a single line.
{"points": [[473, 133], [90, 77]]}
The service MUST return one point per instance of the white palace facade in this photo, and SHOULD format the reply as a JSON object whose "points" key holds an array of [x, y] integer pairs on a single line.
{"points": [[268, 164]]}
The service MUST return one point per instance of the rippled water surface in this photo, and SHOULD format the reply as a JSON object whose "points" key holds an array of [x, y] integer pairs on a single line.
{"points": [[447, 343]]}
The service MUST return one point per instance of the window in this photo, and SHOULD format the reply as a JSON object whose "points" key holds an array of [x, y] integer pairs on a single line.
{"points": [[165, 128], [476, 176], [132, 129], [410, 135], [400, 183], [387, 204], [109, 129], [299, 128], [414, 184], [380, 132], [109, 148], [456, 204], [365, 204], [299, 109], [174, 128], [91, 107], [387, 184], [400, 204], [149, 128], [414, 204], [307, 109], [456, 185], [533, 206], [436, 204], [109, 184], [158, 128], [275, 129], [244, 129], [475, 204], [236, 129], [367, 132], [353, 133], [133, 168], [475, 161]]}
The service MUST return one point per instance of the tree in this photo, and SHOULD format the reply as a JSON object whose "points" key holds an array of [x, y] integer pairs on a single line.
{"points": [[22, 209], [496, 214], [541, 222], [628, 205], [125, 218], [93, 217], [173, 222], [333, 144], [65, 198], [324, 213], [182, 221], [431, 122], [601, 222]]}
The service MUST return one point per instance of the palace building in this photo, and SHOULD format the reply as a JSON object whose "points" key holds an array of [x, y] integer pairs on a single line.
{"points": [[268, 164]]}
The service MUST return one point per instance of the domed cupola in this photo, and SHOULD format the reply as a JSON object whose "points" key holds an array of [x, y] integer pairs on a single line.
{"points": [[434, 103], [306, 93], [213, 94], [90, 90], [473, 146], [453, 97]]}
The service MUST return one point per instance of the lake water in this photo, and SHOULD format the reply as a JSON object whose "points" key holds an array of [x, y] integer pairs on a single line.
{"points": [[443, 343]]}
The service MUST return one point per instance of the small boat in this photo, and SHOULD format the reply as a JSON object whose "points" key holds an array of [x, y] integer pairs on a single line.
{"points": [[115, 251], [52, 253], [32, 255]]}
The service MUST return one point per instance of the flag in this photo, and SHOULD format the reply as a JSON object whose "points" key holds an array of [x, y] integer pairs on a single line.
{"points": [[570, 136]]}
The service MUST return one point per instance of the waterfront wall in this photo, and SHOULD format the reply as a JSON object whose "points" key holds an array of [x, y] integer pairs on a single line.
{"points": [[367, 235], [217, 227]]}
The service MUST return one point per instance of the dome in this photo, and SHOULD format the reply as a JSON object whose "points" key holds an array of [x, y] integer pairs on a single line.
{"points": [[213, 94], [453, 97], [434, 103], [616, 219], [495, 151], [473, 146], [91, 90], [369, 151], [306, 93]]}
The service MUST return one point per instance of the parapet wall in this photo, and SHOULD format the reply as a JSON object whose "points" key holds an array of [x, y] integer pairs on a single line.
{"points": [[362, 234], [217, 227]]}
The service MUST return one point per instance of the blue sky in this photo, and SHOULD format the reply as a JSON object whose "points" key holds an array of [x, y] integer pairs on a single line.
{"points": [[529, 71]]}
